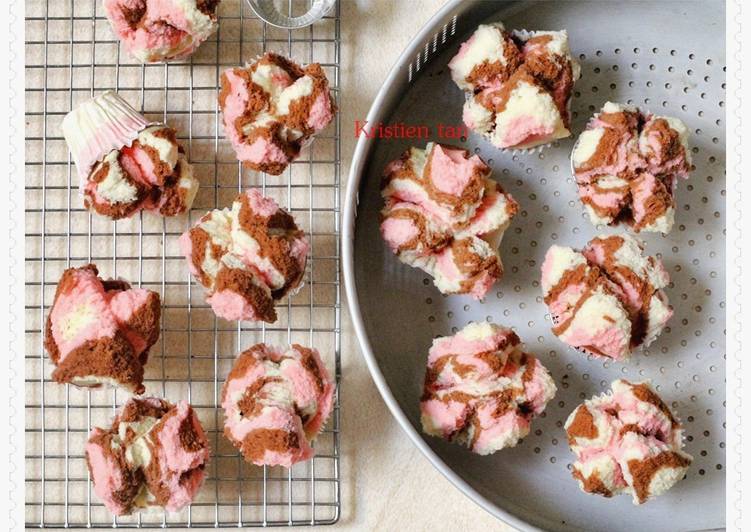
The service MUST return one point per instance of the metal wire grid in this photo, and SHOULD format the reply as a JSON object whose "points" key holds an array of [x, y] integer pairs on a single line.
{"points": [[72, 55]]}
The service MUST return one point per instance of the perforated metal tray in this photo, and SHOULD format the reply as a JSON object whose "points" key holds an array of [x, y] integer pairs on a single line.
{"points": [[664, 56]]}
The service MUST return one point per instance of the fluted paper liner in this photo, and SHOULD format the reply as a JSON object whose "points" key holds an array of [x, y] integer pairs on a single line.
{"points": [[98, 126]]}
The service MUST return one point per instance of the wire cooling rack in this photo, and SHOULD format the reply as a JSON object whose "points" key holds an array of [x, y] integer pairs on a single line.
{"points": [[71, 55]]}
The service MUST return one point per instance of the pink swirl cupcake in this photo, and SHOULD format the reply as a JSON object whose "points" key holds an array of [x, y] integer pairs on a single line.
{"points": [[125, 163], [518, 85], [626, 441], [272, 108], [482, 390], [100, 332], [627, 164], [606, 299], [276, 402], [161, 30], [444, 215], [154, 454], [247, 257]]}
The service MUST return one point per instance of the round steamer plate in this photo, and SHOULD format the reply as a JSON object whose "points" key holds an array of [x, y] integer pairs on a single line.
{"points": [[667, 57]]}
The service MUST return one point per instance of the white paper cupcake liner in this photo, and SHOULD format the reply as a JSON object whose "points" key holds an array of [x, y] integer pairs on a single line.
{"points": [[95, 128]]}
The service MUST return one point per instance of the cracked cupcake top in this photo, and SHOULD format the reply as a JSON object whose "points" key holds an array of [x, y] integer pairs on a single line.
{"points": [[444, 215], [606, 299], [627, 164], [100, 332], [626, 441], [482, 390], [161, 30], [273, 107], [154, 454], [518, 85], [247, 257], [276, 401]]}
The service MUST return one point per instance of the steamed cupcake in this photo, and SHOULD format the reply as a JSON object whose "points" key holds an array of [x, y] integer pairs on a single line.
{"points": [[626, 441], [276, 401], [444, 215], [272, 108], [606, 299], [161, 30], [627, 164], [247, 257], [125, 163], [482, 390], [154, 454], [518, 85], [100, 332]]}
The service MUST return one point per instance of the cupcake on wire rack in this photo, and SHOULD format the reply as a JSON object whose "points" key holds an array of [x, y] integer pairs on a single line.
{"points": [[276, 401], [247, 257], [518, 85], [125, 162], [100, 331], [608, 298], [161, 30], [272, 108]]}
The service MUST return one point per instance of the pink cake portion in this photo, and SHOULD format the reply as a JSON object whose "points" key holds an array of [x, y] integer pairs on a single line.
{"points": [[154, 454], [606, 299], [100, 332], [246, 257], [161, 30], [276, 401], [272, 108], [627, 164], [444, 215], [482, 390], [626, 441], [125, 163], [518, 85]]}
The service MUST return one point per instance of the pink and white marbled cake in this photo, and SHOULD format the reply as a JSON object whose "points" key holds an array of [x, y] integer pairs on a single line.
{"points": [[126, 163], [154, 454], [246, 257], [627, 164], [606, 299], [482, 390], [161, 30], [272, 108], [626, 441], [444, 215], [276, 401], [518, 85], [100, 332]]}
